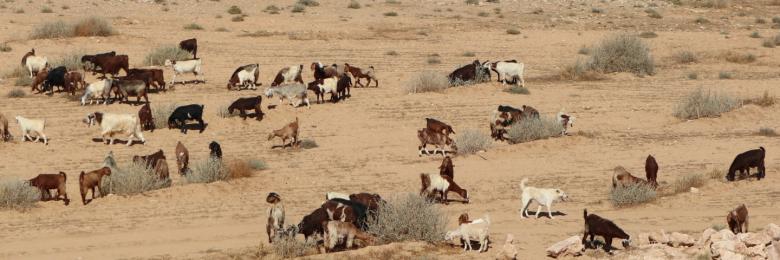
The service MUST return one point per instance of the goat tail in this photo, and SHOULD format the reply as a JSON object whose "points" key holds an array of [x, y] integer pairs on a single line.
{"points": [[522, 183], [64, 177], [81, 177], [585, 213]]}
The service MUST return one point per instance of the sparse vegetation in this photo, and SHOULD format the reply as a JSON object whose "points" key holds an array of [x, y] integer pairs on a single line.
{"points": [[755, 34], [289, 247], [16, 93], [766, 131], [472, 2], [624, 196], [224, 113], [171, 52], [4, 47], [234, 10], [584, 50], [469, 54], [720, 4], [260, 33], [92, 26], [193, 26], [579, 71], [308, 144], [160, 114], [272, 9], [391, 53], [133, 178], [46, 10], [17, 194], [71, 61], [741, 58], [715, 174], [518, 90], [472, 141], [693, 75], [239, 169], [648, 35], [530, 129], [427, 81], [308, 2], [298, 8], [652, 13], [390, 14], [686, 182], [597, 10], [237, 18], [765, 100], [24, 80], [257, 164], [513, 31], [685, 57], [208, 170], [433, 60], [725, 75], [700, 103], [622, 53], [354, 5], [769, 43], [483, 14], [701, 20], [408, 218]]}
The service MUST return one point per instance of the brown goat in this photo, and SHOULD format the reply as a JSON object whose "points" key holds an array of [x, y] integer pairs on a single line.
{"points": [[145, 116], [446, 168], [182, 159], [371, 201], [161, 169], [4, 134], [275, 216], [428, 136], [150, 161], [46, 182], [463, 219], [337, 231], [438, 126], [73, 81], [290, 131], [433, 184], [88, 181], [624, 178], [38, 80], [738, 218], [651, 171], [359, 73]]}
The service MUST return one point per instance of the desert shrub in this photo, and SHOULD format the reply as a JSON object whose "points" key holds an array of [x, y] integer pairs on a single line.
{"points": [[298, 8], [483, 14], [222, 29], [170, 52], [193, 26], [764, 100], [513, 31], [648, 35], [579, 71], [272, 9], [700, 103], [530, 129], [472, 141], [652, 13], [584, 50], [19, 11], [725, 75], [391, 53], [93, 26], [224, 113], [776, 19], [4, 47], [234, 10], [209, 170], [133, 178], [686, 182], [685, 57], [24, 80], [711, 3], [766, 131], [160, 113], [72, 61], [17, 194], [716, 174], [755, 34], [693, 75], [237, 18], [622, 53], [777, 39], [701, 20], [597, 10], [46, 10], [289, 247], [427, 81], [433, 60], [518, 90], [741, 58], [308, 144], [390, 14], [354, 5], [769, 43], [257, 164], [239, 169], [408, 217], [308, 2], [760, 20], [16, 93], [623, 196], [57, 29], [469, 54], [472, 2]]}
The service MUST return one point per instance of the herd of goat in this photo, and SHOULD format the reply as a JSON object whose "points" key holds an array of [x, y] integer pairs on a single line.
{"points": [[342, 217]]}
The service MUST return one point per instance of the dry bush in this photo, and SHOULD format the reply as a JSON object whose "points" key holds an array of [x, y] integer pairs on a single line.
{"points": [[390, 14], [764, 100], [766, 131], [518, 90], [741, 58], [308, 2], [289, 247], [700, 104], [308, 144], [529, 129], [57, 29], [234, 10], [685, 57], [408, 218], [158, 56], [433, 60], [298, 8], [701, 20], [193, 26], [427, 81], [513, 31], [579, 71], [223, 112], [239, 169], [272, 9], [354, 5], [46, 10], [471, 141], [16, 93], [648, 35], [623, 196], [710, 3], [622, 53], [134, 178], [391, 53], [209, 170], [160, 114], [725, 75], [688, 181], [4, 47], [769, 43], [18, 194], [755, 34], [693, 75], [71, 61], [652, 13], [469, 54], [716, 174], [93, 26], [17, 72], [260, 33]]}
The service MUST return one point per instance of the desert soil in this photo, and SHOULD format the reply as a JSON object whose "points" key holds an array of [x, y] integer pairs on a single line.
{"points": [[368, 143]]}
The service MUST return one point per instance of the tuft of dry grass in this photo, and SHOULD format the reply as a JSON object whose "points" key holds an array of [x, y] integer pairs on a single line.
{"points": [[741, 58], [308, 144], [134, 178], [392, 53], [71, 61], [193, 26], [518, 90], [579, 71], [427, 81], [685, 57], [354, 5], [239, 169], [289, 247], [298, 8], [18, 195], [530, 129], [92, 26], [765, 100], [160, 114], [700, 103], [652, 13], [16, 93], [715, 174], [766, 131], [648, 35], [624, 196], [234, 10], [4, 47], [257, 165], [207, 171], [308, 2], [686, 182], [769, 43], [408, 217], [513, 31], [272, 9], [171, 52], [472, 141], [725, 75], [390, 14], [719, 4]]}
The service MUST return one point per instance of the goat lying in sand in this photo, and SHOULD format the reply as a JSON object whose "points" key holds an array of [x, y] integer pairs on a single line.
{"points": [[88, 181], [290, 131]]}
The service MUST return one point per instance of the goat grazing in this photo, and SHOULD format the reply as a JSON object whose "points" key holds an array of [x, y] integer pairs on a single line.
{"points": [[92, 60], [123, 88], [744, 161], [433, 184], [290, 92], [182, 158], [621, 177], [185, 66], [507, 70], [149, 76], [476, 230], [245, 77], [359, 73], [38, 80], [191, 46], [438, 126], [335, 232], [145, 116], [474, 72], [183, 113], [55, 78], [46, 182], [33, 63], [428, 136], [97, 89], [112, 124], [150, 161], [566, 121], [88, 181], [32, 126], [651, 171], [215, 150], [738, 219], [598, 226], [250, 103], [73, 81], [275, 216], [290, 131], [288, 75], [370, 200], [5, 135]]}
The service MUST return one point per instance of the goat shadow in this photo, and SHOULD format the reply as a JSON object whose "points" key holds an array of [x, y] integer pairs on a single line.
{"points": [[430, 153], [116, 141], [287, 145], [474, 244], [195, 126], [543, 213], [195, 81]]}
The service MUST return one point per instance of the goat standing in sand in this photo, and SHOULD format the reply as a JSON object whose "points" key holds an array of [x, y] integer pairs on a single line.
{"points": [[290, 131]]}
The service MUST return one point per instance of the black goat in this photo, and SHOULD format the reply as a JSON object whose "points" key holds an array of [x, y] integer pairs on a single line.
{"points": [[474, 72], [184, 113], [598, 226], [744, 161], [215, 150], [250, 103], [191, 46]]}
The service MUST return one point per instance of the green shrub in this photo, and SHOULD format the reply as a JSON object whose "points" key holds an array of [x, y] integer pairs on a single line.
{"points": [[623, 196], [427, 81], [171, 52], [472, 141], [700, 104], [18, 194], [530, 129], [408, 218]]}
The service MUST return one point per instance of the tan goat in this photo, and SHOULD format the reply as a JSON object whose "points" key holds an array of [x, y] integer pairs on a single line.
{"points": [[290, 131], [337, 231], [88, 181]]}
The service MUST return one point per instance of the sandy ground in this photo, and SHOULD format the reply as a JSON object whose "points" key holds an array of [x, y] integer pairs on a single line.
{"points": [[368, 143]]}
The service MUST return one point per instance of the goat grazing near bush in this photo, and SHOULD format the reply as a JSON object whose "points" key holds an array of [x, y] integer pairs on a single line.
{"points": [[359, 74], [181, 114], [288, 75], [475, 72], [88, 181], [215, 150], [290, 131], [744, 161], [598, 226], [275, 216], [245, 77], [112, 124], [182, 158], [336, 232], [433, 184], [250, 103], [191, 46], [438, 126], [621, 177], [511, 71], [46, 182], [737, 219], [428, 136]]}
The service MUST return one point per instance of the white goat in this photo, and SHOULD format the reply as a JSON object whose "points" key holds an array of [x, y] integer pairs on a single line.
{"points": [[35, 64], [102, 88], [565, 120], [290, 92], [329, 85], [185, 66], [286, 75], [510, 71], [111, 124], [35, 126], [477, 230]]}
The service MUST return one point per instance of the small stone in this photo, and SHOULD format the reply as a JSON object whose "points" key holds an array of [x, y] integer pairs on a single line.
{"points": [[773, 231], [680, 239], [570, 246], [659, 237]]}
